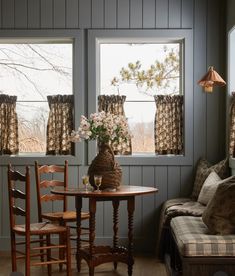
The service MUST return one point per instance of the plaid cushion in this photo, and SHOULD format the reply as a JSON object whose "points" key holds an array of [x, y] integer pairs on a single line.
{"points": [[192, 239], [204, 168]]}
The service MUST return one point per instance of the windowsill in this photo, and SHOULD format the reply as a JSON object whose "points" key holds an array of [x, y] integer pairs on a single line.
{"points": [[42, 158], [125, 160], [153, 159]]}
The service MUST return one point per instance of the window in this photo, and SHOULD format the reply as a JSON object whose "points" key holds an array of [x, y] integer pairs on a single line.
{"points": [[139, 71], [117, 54], [32, 72], [42, 63]]}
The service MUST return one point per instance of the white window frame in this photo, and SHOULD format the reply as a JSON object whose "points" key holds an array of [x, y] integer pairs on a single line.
{"points": [[96, 37], [54, 36]]}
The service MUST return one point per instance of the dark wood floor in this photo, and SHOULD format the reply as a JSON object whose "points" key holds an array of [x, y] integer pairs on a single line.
{"points": [[144, 266]]}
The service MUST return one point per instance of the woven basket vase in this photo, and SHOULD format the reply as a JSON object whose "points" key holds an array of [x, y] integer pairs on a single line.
{"points": [[104, 164]]}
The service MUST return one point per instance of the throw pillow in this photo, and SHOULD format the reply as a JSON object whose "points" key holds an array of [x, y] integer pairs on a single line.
{"points": [[219, 215], [204, 168], [209, 187]]}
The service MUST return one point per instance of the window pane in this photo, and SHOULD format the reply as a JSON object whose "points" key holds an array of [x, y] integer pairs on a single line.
{"points": [[141, 122], [115, 57], [140, 71], [32, 123], [32, 72]]}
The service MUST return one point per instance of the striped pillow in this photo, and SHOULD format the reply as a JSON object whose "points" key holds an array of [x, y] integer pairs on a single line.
{"points": [[209, 187], [204, 168]]}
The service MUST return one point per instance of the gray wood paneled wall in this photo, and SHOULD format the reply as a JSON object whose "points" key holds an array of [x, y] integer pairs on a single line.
{"points": [[206, 18]]}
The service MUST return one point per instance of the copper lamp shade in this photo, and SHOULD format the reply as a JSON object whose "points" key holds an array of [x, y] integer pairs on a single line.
{"points": [[210, 79]]}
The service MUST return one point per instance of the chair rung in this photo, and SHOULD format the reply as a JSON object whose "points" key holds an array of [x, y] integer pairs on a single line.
{"points": [[49, 247], [49, 262], [31, 255], [75, 227], [33, 241]]}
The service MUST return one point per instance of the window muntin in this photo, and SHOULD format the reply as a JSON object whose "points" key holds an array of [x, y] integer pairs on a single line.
{"points": [[31, 72], [139, 106]]}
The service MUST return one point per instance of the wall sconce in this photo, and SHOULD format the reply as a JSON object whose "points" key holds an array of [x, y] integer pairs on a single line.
{"points": [[210, 79]]}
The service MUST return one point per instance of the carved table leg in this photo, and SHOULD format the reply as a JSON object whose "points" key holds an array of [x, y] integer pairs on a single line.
{"points": [[130, 208], [115, 227], [78, 204], [92, 210]]}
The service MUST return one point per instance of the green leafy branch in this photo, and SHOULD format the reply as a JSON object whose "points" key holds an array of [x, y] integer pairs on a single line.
{"points": [[158, 76]]}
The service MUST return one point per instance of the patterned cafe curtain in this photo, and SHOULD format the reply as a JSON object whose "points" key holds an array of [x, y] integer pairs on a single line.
{"points": [[115, 104], [60, 124], [168, 125], [9, 142], [232, 126]]}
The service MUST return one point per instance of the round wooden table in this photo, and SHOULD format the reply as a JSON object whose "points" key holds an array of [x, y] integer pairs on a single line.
{"points": [[96, 255]]}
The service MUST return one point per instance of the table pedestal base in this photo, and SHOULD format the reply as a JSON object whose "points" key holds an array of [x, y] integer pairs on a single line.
{"points": [[105, 254]]}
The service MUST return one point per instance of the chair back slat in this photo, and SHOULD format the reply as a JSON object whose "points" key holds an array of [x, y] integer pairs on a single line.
{"points": [[42, 184], [51, 183], [50, 169], [18, 194], [18, 211], [48, 197]]}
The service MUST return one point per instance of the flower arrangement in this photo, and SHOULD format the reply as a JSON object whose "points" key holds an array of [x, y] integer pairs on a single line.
{"points": [[106, 127]]}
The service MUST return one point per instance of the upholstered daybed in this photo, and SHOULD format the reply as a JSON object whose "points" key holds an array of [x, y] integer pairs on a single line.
{"points": [[190, 246]]}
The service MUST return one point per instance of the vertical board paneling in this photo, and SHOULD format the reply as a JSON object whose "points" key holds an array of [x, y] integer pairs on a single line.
{"points": [[161, 185], [59, 13], [162, 14], [148, 207], [84, 14], [46, 14], [110, 14], [8, 14], [123, 18], [2, 183], [21, 14], [199, 97], [149, 14], [174, 13], [73, 181], [213, 98], [136, 180], [173, 182], [187, 13], [223, 109], [33, 193], [34, 14], [72, 14], [186, 181], [97, 14], [125, 175], [5, 224], [123, 206], [136, 19]]}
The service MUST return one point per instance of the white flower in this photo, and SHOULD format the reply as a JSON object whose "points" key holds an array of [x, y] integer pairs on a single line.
{"points": [[106, 127]]}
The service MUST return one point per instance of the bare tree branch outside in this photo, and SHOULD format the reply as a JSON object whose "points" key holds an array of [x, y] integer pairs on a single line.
{"points": [[31, 72]]}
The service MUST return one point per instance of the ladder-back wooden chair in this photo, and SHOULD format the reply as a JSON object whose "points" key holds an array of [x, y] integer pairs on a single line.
{"points": [[19, 196], [44, 196]]}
